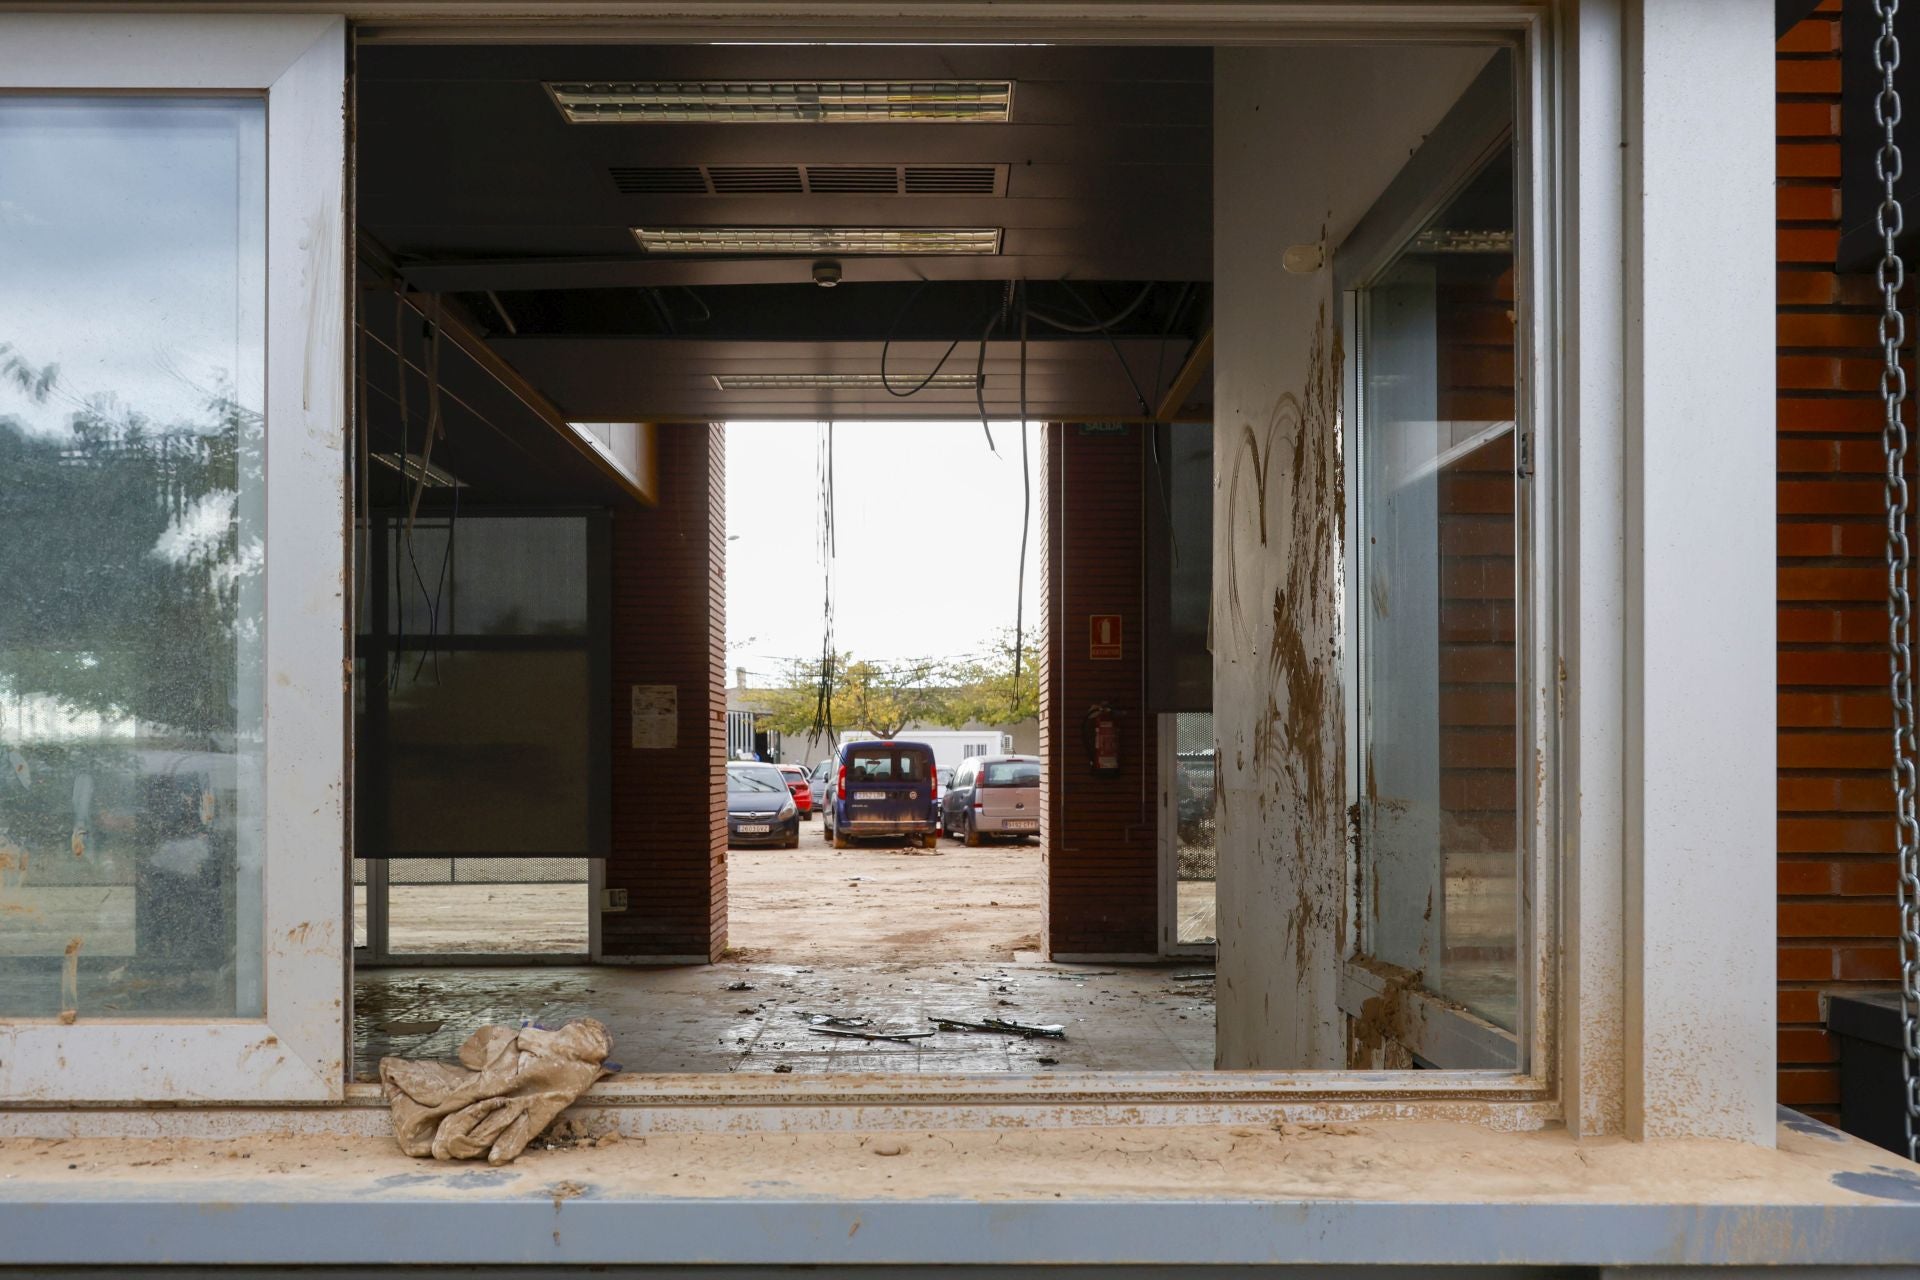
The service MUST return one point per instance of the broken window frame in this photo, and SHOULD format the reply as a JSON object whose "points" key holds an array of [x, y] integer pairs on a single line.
{"points": [[1489, 118], [296, 1051]]}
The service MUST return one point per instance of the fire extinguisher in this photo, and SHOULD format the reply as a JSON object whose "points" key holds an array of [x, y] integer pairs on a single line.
{"points": [[1100, 733]]}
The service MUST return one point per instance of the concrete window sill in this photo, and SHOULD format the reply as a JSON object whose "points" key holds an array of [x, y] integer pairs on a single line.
{"points": [[1374, 1192]]}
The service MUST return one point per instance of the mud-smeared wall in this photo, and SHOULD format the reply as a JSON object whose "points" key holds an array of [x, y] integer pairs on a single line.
{"points": [[1305, 139]]}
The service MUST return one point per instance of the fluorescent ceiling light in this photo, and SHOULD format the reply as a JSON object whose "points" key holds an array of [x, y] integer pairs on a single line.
{"points": [[783, 101], [847, 381], [418, 470], [836, 241]]}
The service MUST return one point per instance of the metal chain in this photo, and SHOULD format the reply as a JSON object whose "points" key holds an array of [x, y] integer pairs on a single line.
{"points": [[1890, 221]]}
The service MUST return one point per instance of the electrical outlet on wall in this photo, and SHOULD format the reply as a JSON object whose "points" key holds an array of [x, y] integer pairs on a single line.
{"points": [[613, 899]]}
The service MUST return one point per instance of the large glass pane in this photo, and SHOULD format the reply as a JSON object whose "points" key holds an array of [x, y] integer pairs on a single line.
{"points": [[487, 753], [131, 403], [488, 576], [1197, 862], [1438, 611], [487, 906]]}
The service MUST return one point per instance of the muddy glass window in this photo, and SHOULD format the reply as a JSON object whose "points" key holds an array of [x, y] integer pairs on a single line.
{"points": [[131, 495], [1438, 618]]}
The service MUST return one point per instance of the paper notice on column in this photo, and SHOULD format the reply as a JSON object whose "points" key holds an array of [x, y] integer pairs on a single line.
{"points": [[656, 716]]}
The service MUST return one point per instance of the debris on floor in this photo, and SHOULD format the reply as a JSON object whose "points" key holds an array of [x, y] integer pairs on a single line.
{"points": [[1002, 1026], [898, 1037], [510, 1084]]}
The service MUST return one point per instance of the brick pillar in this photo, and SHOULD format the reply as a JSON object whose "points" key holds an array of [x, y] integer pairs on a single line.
{"points": [[1838, 924], [669, 629], [1102, 843]]}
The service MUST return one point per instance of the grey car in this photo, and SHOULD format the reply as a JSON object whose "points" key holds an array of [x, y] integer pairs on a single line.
{"points": [[993, 798], [760, 808]]}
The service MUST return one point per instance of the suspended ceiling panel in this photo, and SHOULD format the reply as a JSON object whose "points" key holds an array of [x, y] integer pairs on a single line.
{"points": [[475, 183]]}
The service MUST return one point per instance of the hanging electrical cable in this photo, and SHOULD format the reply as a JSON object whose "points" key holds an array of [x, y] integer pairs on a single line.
{"points": [[1026, 511], [824, 529], [430, 332], [1105, 329], [980, 385], [363, 465], [886, 344], [406, 447], [1890, 221], [1097, 325]]}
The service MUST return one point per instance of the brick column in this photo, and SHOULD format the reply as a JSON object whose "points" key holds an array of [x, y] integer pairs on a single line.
{"points": [[669, 629], [1102, 844], [1837, 874]]}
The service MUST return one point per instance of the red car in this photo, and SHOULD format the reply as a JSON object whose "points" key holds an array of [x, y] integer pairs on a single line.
{"points": [[797, 783]]}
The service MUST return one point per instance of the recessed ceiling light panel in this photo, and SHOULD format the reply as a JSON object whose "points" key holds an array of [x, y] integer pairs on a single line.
{"points": [[762, 242], [840, 381], [783, 101]]}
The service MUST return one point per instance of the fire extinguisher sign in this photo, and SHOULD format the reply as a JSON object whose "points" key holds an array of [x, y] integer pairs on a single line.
{"points": [[1103, 638]]}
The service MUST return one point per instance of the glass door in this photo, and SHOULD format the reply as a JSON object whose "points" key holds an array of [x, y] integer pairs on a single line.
{"points": [[171, 430], [1188, 859]]}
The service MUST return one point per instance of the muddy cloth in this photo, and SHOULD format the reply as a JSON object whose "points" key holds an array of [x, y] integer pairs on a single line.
{"points": [[508, 1087]]}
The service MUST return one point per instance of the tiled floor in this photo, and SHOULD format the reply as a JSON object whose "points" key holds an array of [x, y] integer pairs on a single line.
{"points": [[1140, 1018]]}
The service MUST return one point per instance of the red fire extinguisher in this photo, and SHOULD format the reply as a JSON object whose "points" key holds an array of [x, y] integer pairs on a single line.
{"points": [[1100, 732]]}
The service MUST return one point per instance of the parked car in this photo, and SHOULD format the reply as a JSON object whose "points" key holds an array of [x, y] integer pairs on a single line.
{"points": [[760, 807], [882, 788], [820, 785], [993, 798], [800, 785]]}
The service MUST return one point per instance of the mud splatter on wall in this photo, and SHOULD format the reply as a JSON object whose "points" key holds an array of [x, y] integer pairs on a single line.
{"points": [[1305, 140]]}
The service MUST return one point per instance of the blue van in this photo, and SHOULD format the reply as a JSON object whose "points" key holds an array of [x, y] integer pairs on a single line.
{"points": [[882, 789]]}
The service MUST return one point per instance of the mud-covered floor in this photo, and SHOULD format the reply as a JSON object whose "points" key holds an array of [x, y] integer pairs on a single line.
{"points": [[891, 936], [759, 1017]]}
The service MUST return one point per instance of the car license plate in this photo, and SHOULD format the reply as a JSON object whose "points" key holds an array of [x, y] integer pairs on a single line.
{"points": [[753, 828], [1020, 824], [869, 795]]}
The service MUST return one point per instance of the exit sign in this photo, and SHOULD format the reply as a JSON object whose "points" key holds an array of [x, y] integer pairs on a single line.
{"points": [[1103, 637]]}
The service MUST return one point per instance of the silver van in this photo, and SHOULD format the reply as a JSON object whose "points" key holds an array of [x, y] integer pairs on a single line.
{"points": [[993, 798]]}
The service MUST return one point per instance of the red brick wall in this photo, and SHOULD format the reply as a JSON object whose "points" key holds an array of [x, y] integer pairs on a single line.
{"points": [[1479, 705], [1836, 870], [1102, 846], [669, 627]]}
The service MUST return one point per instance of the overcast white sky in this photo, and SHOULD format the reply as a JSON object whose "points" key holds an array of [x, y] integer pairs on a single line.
{"points": [[928, 540], [129, 253]]}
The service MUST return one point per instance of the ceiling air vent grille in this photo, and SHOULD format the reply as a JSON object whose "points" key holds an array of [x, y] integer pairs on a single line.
{"points": [[952, 179], [672, 180], [755, 180], [813, 179], [853, 179]]}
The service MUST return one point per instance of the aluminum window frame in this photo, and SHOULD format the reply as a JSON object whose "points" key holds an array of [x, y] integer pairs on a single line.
{"points": [[297, 1051]]}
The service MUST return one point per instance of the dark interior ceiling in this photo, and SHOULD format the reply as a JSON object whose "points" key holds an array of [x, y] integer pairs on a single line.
{"points": [[479, 190]]}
